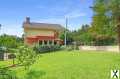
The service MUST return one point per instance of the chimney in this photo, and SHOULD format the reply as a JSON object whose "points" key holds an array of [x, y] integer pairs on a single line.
{"points": [[27, 20]]}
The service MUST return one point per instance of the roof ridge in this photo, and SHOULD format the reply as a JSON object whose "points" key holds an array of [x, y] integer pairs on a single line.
{"points": [[43, 23]]}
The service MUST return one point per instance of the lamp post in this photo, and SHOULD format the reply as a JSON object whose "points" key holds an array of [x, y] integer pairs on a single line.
{"points": [[66, 25]]}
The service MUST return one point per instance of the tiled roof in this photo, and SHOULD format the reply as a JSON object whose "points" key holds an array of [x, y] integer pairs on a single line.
{"points": [[43, 26]]}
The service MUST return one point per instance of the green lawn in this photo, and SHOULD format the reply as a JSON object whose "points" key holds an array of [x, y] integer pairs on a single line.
{"points": [[72, 65]]}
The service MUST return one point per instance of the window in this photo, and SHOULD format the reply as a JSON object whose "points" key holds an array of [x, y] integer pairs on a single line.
{"points": [[55, 42], [50, 42], [40, 42], [45, 42]]}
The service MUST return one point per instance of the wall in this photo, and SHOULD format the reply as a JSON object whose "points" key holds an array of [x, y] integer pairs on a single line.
{"points": [[37, 32], [103, 48]]}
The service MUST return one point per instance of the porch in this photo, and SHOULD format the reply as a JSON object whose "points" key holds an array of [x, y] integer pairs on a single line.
{"points": [[43, 40]]}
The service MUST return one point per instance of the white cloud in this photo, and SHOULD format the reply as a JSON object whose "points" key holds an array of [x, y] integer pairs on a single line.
{"points": [[75, 14], [53, 20], [12, 30]]}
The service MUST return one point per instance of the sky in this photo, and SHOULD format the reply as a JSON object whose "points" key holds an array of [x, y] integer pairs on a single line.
{"points": [[14, 12]]}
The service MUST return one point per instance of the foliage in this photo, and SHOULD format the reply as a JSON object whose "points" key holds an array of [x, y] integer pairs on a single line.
{"points": [[72, 47], [102, 31], [104, 40], [3, 49], [106, 17], [26, 56], [34, 74], [6, 73], [46, 48], [83, 36], [114, 8], [102, 24], [69, 37], [80, 34], [10, 41]]}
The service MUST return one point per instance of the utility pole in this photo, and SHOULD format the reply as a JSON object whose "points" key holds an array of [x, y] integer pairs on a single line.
{"points": [[0, 26], [66, 25]]}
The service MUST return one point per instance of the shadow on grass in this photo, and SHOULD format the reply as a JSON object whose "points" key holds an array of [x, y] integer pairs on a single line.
{"points": [[35, 74]]}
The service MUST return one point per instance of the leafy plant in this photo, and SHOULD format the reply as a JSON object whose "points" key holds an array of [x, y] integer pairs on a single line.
{"points": [[46, 48], [10, 41], [26, 56]]}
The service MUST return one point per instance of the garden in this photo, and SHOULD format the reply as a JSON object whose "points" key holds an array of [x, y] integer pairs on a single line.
{"points": [[54, 62], [68, 65]]}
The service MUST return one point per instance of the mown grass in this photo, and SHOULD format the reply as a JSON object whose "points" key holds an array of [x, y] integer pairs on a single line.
{"points": [[71, 65]]}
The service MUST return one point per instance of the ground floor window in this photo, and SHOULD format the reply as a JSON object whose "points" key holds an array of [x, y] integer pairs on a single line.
{"points": [[45, 42], [40, 42], [50, 42], [55, 42]]}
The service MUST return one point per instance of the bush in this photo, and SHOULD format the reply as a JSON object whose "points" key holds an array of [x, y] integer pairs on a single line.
{"points": [[72, 47], [3, 49], [10, 41], [104, 40], [26, 56], [46, 48], [6, 73], [69, 48]]}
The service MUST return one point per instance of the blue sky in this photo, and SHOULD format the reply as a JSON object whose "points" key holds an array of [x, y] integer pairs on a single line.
{"points": [[13, 13]]}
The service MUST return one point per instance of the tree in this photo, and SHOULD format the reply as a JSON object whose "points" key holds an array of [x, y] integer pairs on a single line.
{"points": [[114, 8], [102, 25], [26, 56], [69, 37], [10, 41], [111, 9], [82, 35], [101, 20]]}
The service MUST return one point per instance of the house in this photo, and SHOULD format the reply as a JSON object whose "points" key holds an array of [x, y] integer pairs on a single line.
{"points": [[41, 33]]}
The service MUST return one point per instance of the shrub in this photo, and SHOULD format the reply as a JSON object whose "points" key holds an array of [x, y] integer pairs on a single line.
{"points": [[103, 40], [26, 56], [6, 73], [71, 47], [46, 48], [3, 49]]}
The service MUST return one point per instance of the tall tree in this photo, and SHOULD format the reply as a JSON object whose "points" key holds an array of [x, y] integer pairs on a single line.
{"points": [[101, 20], [114, 8], [103, 24], [10, 41]]}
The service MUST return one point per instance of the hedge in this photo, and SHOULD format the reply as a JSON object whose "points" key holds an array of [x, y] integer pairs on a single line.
{"points": [[46, 48]]}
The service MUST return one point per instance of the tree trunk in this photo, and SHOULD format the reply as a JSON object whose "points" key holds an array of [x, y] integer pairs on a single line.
{"points": [[118, 32]]}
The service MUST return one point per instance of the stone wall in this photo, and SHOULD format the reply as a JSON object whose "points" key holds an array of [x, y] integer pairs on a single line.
{"points": [[100, 48]]}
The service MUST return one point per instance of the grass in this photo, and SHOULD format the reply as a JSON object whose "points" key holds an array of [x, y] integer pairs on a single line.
{"points": [[71, 65]]}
